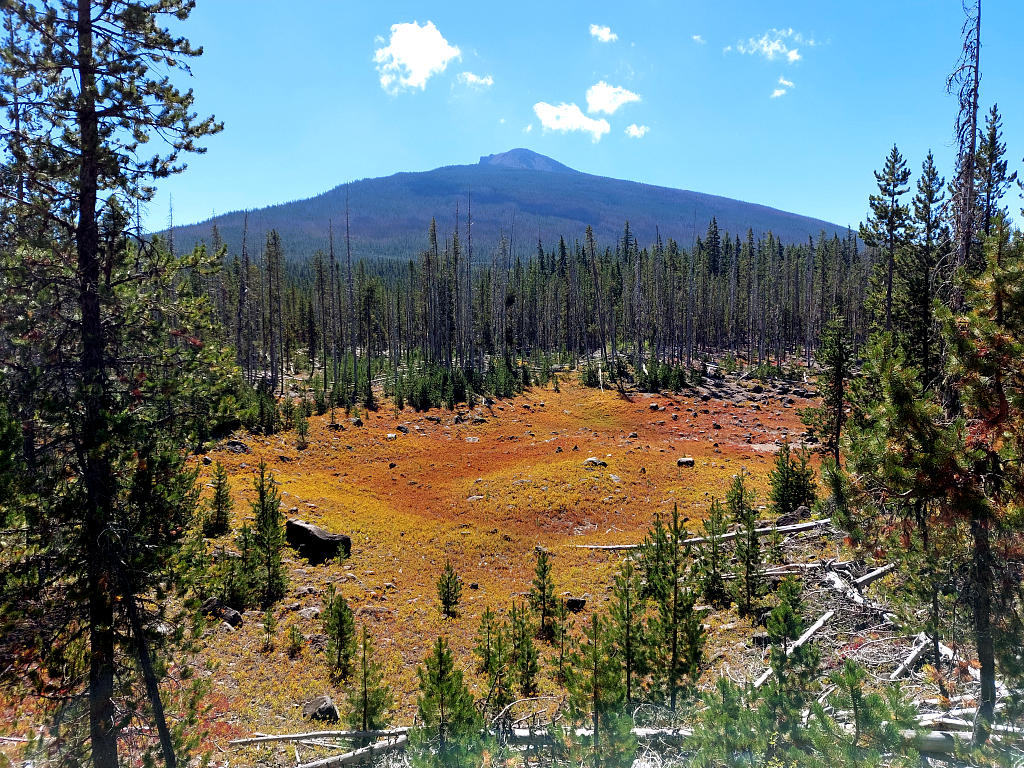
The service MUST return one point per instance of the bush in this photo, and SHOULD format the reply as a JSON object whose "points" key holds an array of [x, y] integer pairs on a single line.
{"points": [[449, 590]]}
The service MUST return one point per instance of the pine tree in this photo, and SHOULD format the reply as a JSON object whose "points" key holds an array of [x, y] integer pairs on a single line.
{"points": [[834, 359], [100, 78], [444, 704], [542, 594], [485, 637], [597, 694], [500, 675], [886, 227], [748, 585], [370, 698], [449, 590], [993, 181], [712, 554], [218, 518], [627, 627], [340, 628], [792, 482], [268, 534], [523, 653]]}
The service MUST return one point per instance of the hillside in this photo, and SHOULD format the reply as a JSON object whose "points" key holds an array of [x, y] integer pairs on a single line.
{"points": [[520, 192]]}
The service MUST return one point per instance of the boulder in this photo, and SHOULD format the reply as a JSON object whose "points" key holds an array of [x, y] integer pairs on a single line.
{"points": [[575, 604], [321, 708], [236, 446], [802, 512], [214, 607], [403, 429], [593, 461], [314, 543], [207, 461], [685, 461], [355, 421], [310, 613]]}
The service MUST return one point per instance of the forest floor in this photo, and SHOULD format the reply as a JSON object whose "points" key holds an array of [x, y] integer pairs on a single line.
{"points": [[482, 488]]}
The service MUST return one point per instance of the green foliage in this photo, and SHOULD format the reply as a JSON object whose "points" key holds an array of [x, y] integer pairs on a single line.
{"points": [[522, 651], [655, 376], [218, 517], [748, 586], [485, 638], [301, 429], [295, 640], [792, 482], [339, 626], [269, 629], [542, 594], [834, 360], [712, 555], [597, 695], [445, 706], [589, 376], [501, 674], [433, 386], [369, 699], [628, 629], [268, 536], [449, 590]]}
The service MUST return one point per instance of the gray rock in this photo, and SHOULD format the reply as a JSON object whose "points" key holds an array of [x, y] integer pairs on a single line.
{"points": [[593, 461], [575, 604], [403, 429], [355, 421], [685, 461], [236, 446], [310, 613], [321, 708], [314, 543]]}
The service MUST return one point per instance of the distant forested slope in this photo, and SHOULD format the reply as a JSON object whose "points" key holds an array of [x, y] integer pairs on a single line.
{"points": [[521, 193]]}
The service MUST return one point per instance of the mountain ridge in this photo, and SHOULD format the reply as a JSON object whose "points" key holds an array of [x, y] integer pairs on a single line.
{"points": [[523, 194]]}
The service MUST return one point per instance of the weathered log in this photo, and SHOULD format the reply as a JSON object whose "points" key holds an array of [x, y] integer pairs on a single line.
{"points": [[821, 622], [915, 653], [795, 528], [321, 735], [363, 754], [871, 576]]}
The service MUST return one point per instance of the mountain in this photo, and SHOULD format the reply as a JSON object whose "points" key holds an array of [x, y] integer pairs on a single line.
{"points": [[520, 193]]}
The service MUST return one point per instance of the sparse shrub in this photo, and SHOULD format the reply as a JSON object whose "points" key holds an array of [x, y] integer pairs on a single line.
{"points": [[339, 626], [370, 697], [295, 640], [218, 518], [542, 594], [301, 430], [269, 628], [449, 590], [269, 536]]}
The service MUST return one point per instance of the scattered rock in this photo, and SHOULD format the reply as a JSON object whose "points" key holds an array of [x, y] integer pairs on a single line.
{"points": [[474, 585], [321, 708], [593, 461], [654, 406], [558, 449], [403, 429], [476, 497], [305, 591], [318, 642], [802, 512], [236, 446], [632, 436], [685, 461], [716, 425], [615, 478], [391, 436], [314, 543], [391, 465], [207, 460], [757, 389], [355, 421], [310, 613]]}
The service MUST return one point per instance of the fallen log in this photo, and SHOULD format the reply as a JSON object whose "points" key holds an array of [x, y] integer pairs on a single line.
{"points": [[821, 622], [321, 735], [360, 755], [795, 528], [871, 576], [915, 653]]}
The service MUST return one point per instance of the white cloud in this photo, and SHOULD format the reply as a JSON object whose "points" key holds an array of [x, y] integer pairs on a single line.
{"points": [[698, 39], [775, 44], [476, 81], [608, 98], [635, 131], [569, 117], [604, 34], [778, 92], [785, 82], [528, 128], [412, 56]]}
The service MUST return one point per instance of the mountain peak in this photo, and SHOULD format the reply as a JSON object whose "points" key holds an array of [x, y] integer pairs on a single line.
{"points": [[525, 159]]}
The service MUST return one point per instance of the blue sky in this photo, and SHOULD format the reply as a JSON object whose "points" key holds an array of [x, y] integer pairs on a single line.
{"points": [[789, 104]]}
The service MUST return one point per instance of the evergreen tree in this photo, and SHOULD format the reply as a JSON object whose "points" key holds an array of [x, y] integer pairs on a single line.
{"points": [[542, 594], [370, 699], [834, 359], [449, 590], [886, 227], [444, 704], [993, 181], [627, 627], [712, 555], [597, 694], [792, 481], [523, 653], [748, 585], [268, 536], [99, 75], [500, 674], [340, 628], [218, 518], [485, 637]]}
